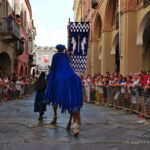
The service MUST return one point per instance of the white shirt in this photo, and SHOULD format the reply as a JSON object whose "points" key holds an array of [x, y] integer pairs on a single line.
{"points": [[136, 82], [18, 85]]}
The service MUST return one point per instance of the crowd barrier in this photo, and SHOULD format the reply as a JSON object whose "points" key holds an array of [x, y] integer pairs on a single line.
{"points": [[9, 91], [130, 99], [29, 88]]}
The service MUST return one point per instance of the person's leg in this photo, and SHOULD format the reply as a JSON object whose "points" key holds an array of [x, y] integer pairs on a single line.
{"points": [[76, 122], [88, 94], [41, 112], [40, 116], [69, 123], [54, 121]]}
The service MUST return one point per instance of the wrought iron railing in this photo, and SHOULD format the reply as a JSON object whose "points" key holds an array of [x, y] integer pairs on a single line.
{"points": [[9, 27]]}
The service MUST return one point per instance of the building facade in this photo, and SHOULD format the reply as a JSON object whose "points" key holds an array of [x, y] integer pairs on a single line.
{"points": [[77, 10], [119, 35], [16, 36], [43, 57]]}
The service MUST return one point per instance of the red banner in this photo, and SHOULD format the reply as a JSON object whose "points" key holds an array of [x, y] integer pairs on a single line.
{"points": [[45, 58]]}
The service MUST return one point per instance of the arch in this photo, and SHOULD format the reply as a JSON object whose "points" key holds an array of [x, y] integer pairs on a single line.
{"points": [[97, 27], [146, 48], [110, 14], [116, 52], [29, 71], [144, 23], [16, 66], [115, 41], [26, 70], [117, 58], [5, 63], [97, 32], [21, 70]]}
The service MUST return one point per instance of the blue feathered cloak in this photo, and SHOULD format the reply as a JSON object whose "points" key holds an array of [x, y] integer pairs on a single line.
{"points": [[64, 86]]}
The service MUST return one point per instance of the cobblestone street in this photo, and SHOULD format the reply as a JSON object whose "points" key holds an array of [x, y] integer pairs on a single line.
{"points": [[101, 129]]}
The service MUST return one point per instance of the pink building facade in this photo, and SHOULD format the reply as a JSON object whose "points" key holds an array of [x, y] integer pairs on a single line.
{"points": [[22, 66]]}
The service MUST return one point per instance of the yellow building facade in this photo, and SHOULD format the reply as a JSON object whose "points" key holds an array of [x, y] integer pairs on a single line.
{"points": [[119, 39], [77, 10]]}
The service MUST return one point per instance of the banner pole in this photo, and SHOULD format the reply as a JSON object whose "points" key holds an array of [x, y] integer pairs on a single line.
{"points": [[68, 34], [81, 10]]}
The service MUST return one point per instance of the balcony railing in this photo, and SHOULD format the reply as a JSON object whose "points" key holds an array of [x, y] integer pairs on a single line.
{"points": [[9, 29], [146, 3], [95, 3]]}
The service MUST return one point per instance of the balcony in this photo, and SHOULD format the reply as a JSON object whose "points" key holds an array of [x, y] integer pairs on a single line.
{"points": [[9, 30], [146, 3], [94, 3]]}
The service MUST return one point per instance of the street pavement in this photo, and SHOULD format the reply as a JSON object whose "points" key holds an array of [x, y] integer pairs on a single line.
{"points": [[102, 128]]}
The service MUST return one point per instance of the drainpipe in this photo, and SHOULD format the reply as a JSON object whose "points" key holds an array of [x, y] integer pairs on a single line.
{"points": [[120, 52], [81, 9]]}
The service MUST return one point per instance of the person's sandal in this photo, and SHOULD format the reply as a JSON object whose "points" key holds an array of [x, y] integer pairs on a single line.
{"points": [[54, 121], [76, 130]]}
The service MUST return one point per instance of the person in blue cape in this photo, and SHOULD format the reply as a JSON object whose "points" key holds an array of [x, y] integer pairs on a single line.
{"points": [[64, 87]]}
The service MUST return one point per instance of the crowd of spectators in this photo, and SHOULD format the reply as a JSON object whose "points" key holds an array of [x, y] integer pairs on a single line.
{"points": [[13, 86], [140, 79]]}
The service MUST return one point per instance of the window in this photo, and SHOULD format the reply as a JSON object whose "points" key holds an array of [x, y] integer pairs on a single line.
{"points": [[0, 9]]}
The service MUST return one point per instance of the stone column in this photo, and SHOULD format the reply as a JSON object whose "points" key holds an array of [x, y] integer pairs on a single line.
{"points": [[131, 53], [96, 65], [89, 61], [108, 61]]}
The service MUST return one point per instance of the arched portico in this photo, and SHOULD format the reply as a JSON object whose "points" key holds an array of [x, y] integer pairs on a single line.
{"points": [[108, 35], [5, 63], [21, 70], [144, 23], [96, 42], [116, 52], [143, 39], [111, 15], [146, 48], [26, 70]]}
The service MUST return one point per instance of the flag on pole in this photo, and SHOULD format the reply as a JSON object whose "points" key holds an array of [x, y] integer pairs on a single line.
{"points": [[78, 44]]}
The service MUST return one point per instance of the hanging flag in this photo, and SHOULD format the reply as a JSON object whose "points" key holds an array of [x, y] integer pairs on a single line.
{"points": [[78, 44], [45, 58]]}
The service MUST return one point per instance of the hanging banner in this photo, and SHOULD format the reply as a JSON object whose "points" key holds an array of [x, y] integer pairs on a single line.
{"points": [[78, 44], [45, 58]]}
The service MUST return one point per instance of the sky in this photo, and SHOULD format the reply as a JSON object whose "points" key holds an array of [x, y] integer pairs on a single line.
{"points": [[51, 19]]}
